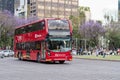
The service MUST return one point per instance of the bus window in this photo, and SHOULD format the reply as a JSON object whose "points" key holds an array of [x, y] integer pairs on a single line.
{"points": [[19, 31], [37, 45], [59, 45], [30, 28], [58, 25]]}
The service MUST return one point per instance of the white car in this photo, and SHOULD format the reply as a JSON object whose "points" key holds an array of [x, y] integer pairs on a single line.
{"points": [[7, 53], [74, 52]]}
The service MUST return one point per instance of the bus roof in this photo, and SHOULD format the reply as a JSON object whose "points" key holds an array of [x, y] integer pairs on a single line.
{"points": [[28, 23], [38, 21]]}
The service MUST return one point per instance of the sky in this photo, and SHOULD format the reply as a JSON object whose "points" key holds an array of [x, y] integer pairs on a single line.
{"points": [[101, 7]]}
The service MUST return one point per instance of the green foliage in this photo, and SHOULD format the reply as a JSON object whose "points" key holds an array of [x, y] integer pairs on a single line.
{"points": [[114, 36], [113, 30], [78, 20], [92, 30], [75, 24], [7, 25]]}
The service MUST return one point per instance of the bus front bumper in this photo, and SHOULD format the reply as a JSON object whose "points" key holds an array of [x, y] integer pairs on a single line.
{"points": [[59, 59]]}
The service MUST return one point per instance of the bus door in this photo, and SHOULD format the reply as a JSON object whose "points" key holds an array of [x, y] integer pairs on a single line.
{"points": [[28, 50], [43, 50]]}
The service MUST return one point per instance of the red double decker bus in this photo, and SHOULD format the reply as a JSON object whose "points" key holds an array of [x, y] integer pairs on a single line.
{"points": [[49, 39]]}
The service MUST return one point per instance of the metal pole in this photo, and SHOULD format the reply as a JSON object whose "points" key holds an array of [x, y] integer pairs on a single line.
{"points": [[85, 44], [76, 43]]}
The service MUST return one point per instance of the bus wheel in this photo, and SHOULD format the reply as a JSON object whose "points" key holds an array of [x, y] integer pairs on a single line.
{"points": [[61, 62], [38, 57]]}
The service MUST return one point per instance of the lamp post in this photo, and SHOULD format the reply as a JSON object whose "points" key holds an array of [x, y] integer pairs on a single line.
{"points": [[108, 44], [85, 44]]}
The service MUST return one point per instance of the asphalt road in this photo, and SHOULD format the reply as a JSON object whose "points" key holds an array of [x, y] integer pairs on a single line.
{"points": [[78, 69]]}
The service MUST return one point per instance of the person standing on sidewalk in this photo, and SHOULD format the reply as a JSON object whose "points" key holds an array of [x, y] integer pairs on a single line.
{"points": [[97, 52], [104, 52]]}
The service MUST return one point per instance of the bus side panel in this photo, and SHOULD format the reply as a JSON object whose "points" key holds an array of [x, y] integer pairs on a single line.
{"points": [[33, 55]]}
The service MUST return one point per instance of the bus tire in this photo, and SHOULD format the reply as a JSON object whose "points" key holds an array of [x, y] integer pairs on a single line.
{"points": [[61, 62], [38, 58]]}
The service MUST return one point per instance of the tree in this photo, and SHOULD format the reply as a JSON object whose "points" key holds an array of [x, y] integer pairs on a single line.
{"points": [[113, 35], [113, 30], [78, 20], [92, 30], [81, 14], [21, 21], [75, 24], [7, 25]]}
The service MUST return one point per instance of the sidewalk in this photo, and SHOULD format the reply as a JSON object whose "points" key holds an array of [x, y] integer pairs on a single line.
{"points": [[93, 57]]}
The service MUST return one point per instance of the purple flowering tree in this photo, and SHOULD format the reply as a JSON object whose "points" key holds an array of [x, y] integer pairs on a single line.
{"points": [[23, 21], [7, 25], [91, 30]]}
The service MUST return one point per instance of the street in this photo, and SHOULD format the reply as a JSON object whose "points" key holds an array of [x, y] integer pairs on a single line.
{"points": [[78, 69]]}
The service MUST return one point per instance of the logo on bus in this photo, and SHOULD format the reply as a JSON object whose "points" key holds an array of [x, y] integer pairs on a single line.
{"points": [[19, 38], [37, 35]]}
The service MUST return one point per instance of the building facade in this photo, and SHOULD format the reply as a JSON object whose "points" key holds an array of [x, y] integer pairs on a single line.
{"points": [[118, 10], [51, 8], [7, 5], [21, 8], [57, 8]]}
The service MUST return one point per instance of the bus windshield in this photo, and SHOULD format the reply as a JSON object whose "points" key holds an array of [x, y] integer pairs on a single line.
{"points": [[58, 25], [59, 45]]}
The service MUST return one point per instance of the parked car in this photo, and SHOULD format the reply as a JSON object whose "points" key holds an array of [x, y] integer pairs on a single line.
{"points": [[6, 53]]}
